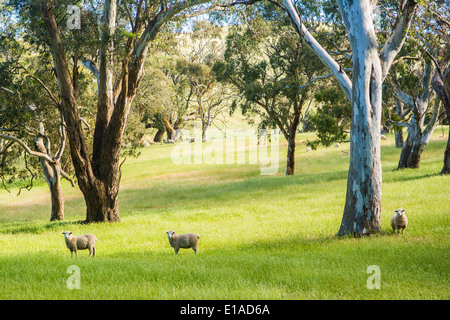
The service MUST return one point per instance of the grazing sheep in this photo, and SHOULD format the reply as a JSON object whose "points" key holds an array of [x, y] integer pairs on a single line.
{"points": [[383, 137], [75, 243], [399, 221], [308, 149], [337, 145], [186, 241]]}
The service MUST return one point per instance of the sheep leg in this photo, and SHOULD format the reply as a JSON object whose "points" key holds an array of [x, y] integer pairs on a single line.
{"points": [[195, 249], [93, 252], [76, 253], [176, 249], [71, 254]]}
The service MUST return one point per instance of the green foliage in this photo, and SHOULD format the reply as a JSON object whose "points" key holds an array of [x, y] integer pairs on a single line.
{"points": [[332, 117], [265, 63]]}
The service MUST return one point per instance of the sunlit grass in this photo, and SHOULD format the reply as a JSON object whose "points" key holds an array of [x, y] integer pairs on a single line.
{"points": [[262, 237]]}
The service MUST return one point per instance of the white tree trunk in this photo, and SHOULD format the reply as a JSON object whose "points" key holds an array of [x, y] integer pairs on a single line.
{"points": [[363, 200]]}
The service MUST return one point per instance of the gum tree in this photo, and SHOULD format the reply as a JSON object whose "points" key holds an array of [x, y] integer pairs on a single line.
{"points": [[362, 209], [120, 34]]}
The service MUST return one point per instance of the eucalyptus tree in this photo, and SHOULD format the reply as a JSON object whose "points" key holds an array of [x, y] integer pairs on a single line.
{"points": [[362, 209], [439, 15], [417, 105], [273, 73], [27, 126], [112, 42]]}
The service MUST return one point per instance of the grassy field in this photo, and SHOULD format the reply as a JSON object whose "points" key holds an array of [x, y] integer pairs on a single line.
{"points": [[262, 237]]}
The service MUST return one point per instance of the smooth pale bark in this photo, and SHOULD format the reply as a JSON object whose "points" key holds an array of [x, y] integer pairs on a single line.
{"points": [[399, 138], [363, 199], [343, 79], [52, 173], [418, 137]]}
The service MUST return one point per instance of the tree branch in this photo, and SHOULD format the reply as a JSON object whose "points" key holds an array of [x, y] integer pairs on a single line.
{"points": [[27, 149], [395, 41], [340, 75]]}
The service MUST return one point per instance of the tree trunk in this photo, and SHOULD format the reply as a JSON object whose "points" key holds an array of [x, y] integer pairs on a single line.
{"points": [[52, 173], [290, 163], [417, 138], [56, 194], [446, 167], [102, 203], [158, 136], [363, 200], [412, 150], [169, 127], [399, 138]]}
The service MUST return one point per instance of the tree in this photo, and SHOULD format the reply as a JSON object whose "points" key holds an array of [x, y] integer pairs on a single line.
{"points": [[441, 58], [201, 49], [23, 97], [121, 40], [265, 62], [418, 106], [362, 209]]}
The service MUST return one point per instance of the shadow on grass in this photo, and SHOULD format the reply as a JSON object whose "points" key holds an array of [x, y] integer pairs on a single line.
{"points": [[35, 227], [398, 175], [181, 193]]}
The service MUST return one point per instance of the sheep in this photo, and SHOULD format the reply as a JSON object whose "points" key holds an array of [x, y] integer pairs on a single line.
{"points": [[383, 137], [399, 221], [75, 243], [308, 149], [186, 241], [337, 145]]}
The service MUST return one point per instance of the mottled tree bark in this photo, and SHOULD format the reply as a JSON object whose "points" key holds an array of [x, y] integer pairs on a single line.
{"points": [[363, 200]]}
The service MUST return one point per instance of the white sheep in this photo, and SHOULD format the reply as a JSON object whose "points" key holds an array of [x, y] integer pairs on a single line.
{"points": [[185, 241], [337, 145], [399, 221], [75, 243], [308, 149]]}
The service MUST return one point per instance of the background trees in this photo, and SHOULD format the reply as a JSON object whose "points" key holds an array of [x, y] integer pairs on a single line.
{"points": [[266, 64], [118, 40], [96, 80]]}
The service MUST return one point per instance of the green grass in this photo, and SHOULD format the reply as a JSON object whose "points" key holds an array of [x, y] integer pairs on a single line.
{"points": [[262, 237]]}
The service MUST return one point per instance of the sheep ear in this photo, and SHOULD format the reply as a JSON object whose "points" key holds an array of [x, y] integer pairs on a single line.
{"points": [[403, 210]]}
